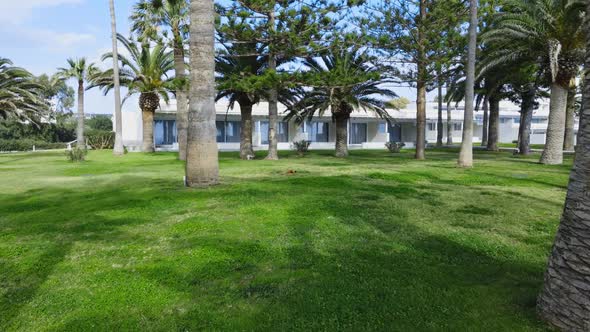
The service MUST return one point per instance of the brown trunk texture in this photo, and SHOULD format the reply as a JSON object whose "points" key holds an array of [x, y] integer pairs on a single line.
{"points": [[342, 134], [494, 125], [553, 151], [246, 149]]}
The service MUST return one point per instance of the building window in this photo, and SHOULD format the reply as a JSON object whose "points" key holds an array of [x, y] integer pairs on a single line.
{"points": [[358, 133], [457, 126], [432, 126], [228, 131], [517, 120], [165, 132], [539, 120], [318, 132], [282, 132], [505, 120], [383, 128]]}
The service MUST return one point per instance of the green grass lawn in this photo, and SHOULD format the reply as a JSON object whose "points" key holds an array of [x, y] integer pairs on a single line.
{"points": [[374, 242]]}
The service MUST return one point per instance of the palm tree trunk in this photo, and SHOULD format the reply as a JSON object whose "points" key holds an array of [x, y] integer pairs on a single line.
{"points": [[494, 125], [246, 149], [466, 153], [181, 94], [449, 124], [342, 134], [119, 149], [147, 117], [273, 109], [568, 141], [80, 127], [421, 86], [202, 160], [439, 124], [564, 300], [526, 118], [486, 121], [553, 152]]}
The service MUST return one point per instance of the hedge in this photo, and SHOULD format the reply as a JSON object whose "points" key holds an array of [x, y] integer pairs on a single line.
{"points": [[27, 145]]}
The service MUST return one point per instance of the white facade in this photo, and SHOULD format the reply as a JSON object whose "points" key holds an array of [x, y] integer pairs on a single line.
{"points": [[366, 131]]}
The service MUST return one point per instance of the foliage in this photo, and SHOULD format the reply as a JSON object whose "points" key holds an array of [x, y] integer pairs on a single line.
{"points": [[8, 145], [62, 129], [57, 93], [79, 69], [302, 147], [144, 71], [100, 122], [394, 147], [100, 139], [21, 97], [341, 81], [398, 103], [149, 16], [358, 243], [76, 154]]}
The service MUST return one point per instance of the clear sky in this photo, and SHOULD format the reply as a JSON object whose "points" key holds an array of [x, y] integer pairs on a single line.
{"points": [[40, 35]]}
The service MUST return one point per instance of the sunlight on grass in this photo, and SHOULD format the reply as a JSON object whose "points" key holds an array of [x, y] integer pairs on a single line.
{"points": [[374, 242]]}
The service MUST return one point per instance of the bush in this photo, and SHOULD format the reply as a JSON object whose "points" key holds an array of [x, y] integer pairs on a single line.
{"points": [[301, 147], [394, 147], [100, 139], [76, 154], [7, 145]]}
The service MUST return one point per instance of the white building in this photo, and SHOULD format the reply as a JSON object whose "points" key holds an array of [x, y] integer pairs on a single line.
{"points": [[366, 131]]}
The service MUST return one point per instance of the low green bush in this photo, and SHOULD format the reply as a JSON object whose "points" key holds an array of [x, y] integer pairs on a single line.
{"points": [[100, 139], [76, 154], [7, 145], [301, 147]]}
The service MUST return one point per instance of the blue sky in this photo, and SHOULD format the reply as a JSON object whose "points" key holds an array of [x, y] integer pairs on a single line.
{"points": [[40, 35]]}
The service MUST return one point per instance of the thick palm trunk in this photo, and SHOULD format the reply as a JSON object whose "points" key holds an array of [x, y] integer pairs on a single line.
{"points": [[273, 109], [246, 149], [119, 149], [466, 153], [527, 108], [568, 140], [421, 86], [553, 152], [181, 94], [439, 125], [147, 117], [564, 300], [342, 134], [494, 125], [486, 122], [449, 125], [80, 123], [202, 160]]}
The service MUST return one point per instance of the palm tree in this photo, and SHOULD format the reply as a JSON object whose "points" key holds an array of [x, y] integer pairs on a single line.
{"points": [[236, 71], [564, 300], [118, 148], [202, 163], [20, 96], [143, 72], [148, 15], [466, 153], [81, 71], [551, 32], [343, 81]]}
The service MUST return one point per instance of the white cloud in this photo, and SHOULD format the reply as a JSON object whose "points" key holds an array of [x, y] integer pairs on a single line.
{"points": [[58, 41], [15, 11]]}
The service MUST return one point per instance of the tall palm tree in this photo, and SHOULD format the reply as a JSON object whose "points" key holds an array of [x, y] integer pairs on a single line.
{"points": [[118, 148], [466, 153], [81, 71], [202, 163], [147, 16], [551, 32], [20, 96], [564, 300], [235, 72], [143, 72], [343, 81]]}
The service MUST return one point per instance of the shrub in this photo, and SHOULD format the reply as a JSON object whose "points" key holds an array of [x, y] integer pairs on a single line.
{"points": [[100, 139], [76, 154], [7, 145], [301, 147], [394, 147]]}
